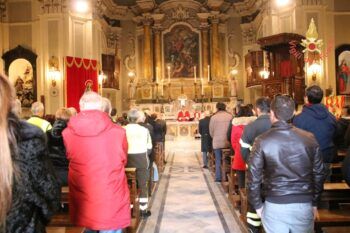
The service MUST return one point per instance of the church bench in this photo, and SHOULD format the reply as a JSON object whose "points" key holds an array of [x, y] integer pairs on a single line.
{"points": [[159, 156], [62, 219], [211, 163], [233, 192], [134, 198], [331, 218], [335, 193], [66, 229], [225, 168]]}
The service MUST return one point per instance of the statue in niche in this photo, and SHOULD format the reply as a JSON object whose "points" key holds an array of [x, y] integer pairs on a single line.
{"points": [[88, 85]]}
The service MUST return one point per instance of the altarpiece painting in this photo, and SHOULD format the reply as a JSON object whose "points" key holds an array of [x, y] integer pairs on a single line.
{"points": [[181, 51]]}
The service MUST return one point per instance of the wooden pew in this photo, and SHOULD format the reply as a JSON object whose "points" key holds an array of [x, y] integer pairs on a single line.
{"points": [[159, 155], [211, 163], [134, 199], [332, 218], [334, 194], [62, 219], [233, 192], [225, 168]]}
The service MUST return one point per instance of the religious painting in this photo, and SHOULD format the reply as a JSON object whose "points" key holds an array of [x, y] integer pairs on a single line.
{"points": [[21, 76], [146, 93], [335, 104], [181, 52], [111, 68], [218, 91], [342, 55]]}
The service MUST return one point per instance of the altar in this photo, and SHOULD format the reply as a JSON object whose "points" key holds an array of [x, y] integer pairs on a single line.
{"points": [[184, 130]]}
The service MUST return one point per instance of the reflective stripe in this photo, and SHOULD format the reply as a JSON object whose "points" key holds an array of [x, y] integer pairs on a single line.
{"points": [[254, 223], [144, 206], [143, 199], [245, 145], [252, 215]]}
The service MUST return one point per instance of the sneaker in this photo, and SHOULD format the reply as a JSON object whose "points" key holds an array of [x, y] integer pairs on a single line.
{"points": [[145, 213]]}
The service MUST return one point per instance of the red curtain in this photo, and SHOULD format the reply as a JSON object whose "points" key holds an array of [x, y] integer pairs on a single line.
{"points": [[81, 74]]}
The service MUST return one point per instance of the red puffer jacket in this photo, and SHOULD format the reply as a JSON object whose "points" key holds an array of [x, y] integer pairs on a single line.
{"points": [[238, 125], [97, 153]]}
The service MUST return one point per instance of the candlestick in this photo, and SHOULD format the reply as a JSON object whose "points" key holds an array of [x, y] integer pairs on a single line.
{"points": [[168, 74], [161, 89], [195, 74], [208, 73]]}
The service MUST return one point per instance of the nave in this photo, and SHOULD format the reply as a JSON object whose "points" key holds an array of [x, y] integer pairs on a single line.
{"points": [[187, 199]]}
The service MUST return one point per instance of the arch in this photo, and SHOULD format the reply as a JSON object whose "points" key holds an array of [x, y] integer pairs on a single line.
{"points": [[18, 53]]}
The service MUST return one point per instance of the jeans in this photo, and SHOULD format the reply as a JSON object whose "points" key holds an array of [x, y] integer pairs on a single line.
{"points": [[218, 156], [205, 158], [103, 231], [288, 218]]}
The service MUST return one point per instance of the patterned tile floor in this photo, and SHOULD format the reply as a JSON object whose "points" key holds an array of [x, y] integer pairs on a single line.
{"points": [[187, 199]]}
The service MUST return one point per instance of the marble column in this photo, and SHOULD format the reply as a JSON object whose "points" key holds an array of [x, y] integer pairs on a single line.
{"points": [[147, 55], [157, 32], [205, 51], [158, 53], [215, 49]]}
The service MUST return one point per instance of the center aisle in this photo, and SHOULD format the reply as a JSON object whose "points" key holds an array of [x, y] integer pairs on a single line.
{"points": [[187, 199]]}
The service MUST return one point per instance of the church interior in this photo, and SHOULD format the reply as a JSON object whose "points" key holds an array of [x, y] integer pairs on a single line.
{"points": [[163, 56]]}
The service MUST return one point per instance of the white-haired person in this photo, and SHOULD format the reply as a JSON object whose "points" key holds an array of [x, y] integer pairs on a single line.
{"points": [[37, 117], [139, 146], [73, 111], [97, 153], [106, 106]]}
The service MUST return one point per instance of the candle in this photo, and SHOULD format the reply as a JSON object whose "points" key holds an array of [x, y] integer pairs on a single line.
{"points": [[208, 73], [161, 89], [195, 74], [168, 74], [202, 87], [157, 74]]}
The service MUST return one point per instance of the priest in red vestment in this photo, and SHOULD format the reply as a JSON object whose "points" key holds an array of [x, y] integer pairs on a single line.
{"points": [[183, 115]]}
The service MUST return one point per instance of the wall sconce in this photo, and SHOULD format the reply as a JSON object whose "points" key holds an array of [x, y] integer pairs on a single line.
{"points": [[54, 73], [101, 78], [264, 74], [234, 72], [314, 69]]}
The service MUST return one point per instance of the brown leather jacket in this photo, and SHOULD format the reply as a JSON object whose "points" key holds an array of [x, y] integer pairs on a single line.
{"points": [[288, 162]]}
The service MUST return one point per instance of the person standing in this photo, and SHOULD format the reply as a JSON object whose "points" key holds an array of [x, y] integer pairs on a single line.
{"points": [[250, 132], [97, 153], [57, 150], [206, 140], [244, 117], [37, 117], [139, 147], [183, 115], [29, 191], [316, 118], [218, 126], [287, 161]]}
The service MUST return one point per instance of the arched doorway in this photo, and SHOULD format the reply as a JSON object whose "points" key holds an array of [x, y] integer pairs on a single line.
{"points": [[20, 67], [21, 76]]}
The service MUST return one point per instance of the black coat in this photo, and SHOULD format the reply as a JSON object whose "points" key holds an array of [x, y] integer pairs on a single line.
{"points": [[57, 150], [36, 193], [203, 129], [159, 127]]}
